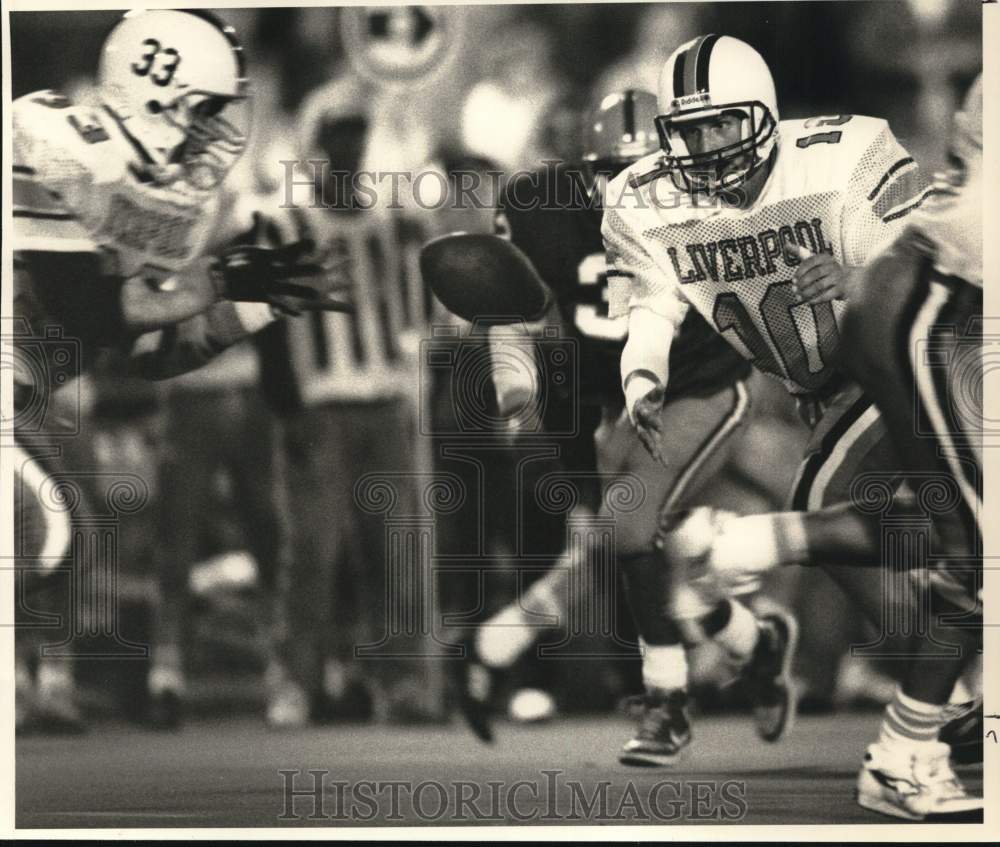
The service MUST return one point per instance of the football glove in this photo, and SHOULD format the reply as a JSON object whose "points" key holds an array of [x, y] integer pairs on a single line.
{"points": [[263, 275]]}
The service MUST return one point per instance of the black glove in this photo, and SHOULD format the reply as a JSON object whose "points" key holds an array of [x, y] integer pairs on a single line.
{"points": [[262, 274]]}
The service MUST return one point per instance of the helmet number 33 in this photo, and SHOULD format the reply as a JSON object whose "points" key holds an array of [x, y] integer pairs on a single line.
{"points": [[165, 60]]}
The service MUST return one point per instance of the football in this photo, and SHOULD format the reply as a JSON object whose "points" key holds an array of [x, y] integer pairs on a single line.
{"points": [[484, 277]]}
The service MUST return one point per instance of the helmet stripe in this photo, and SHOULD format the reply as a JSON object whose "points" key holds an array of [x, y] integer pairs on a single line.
{"points": [[690, 66], [679, 73], [702, 62], [628, 113]]}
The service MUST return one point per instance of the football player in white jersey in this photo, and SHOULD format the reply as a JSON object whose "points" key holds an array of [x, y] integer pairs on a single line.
{"points": [[705, 410], [116, 200], [913, 331], [755, 223], [116, 215]]}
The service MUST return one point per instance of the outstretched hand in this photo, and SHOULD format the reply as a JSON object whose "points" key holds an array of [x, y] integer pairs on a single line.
{"points": [[265, 274], [648, 423]]}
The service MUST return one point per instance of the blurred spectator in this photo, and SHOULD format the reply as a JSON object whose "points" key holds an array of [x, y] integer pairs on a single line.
{"points": [[920, 86], [346, 387], [504, 113], [659, 30]]}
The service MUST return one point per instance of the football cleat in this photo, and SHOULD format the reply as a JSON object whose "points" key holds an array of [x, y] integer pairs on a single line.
{"points": [[475, 684], [964, 732], [531, 705], [166, 710], [913, 782], [663, 730], [769, 675]]}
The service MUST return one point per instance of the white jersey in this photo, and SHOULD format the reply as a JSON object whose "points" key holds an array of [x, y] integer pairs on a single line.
{"points": [[840, 184], [76, 188], [82, 211], [374, 352]]}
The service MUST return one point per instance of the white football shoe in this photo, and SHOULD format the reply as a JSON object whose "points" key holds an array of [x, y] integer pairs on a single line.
{"points": [[686, 540], [912, 782]]}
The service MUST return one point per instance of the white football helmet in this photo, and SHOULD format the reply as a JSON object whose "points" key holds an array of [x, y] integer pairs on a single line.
{"points": [[709, 76], [176, 83]]}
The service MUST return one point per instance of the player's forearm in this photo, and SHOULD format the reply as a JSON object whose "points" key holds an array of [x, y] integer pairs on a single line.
{"points": [[514, 369], [146, 308], [194, 342], [646, 357]]}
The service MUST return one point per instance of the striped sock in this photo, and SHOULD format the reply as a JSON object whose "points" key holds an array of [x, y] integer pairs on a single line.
{"points": [[910, 720]]}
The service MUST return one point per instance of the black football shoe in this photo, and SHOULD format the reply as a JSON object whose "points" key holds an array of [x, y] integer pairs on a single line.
{"points": [[166, 710], [475, 684], [663, 730], [768, 675]]}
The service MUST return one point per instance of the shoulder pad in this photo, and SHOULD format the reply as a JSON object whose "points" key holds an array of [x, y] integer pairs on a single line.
{"points": [[58, 139], [845, 137], [828, 153], [636, 175]]}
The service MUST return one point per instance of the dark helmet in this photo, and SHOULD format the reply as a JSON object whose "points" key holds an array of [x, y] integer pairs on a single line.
{"points": [[621, 130]]}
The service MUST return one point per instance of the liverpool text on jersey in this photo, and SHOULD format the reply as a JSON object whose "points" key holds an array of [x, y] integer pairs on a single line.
{"points": [[747, 256]]}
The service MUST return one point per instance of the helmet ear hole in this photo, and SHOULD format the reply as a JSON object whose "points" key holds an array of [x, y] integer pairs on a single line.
{"points": [[154, 107]]}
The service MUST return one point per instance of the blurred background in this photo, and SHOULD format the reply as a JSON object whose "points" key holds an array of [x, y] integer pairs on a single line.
{"points": [[257, 567]]}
